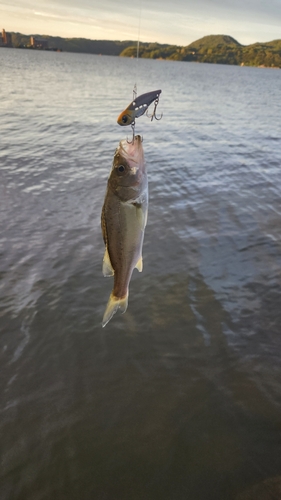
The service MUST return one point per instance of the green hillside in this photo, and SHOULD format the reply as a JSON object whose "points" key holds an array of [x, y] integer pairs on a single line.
{"points": [[213, 41], [262, 54], [105, 47], [150, 50], [216, 49], [220, 49]]}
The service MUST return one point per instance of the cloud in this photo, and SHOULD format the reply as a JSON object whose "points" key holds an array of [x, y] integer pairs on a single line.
{"points": [[179, 22]]}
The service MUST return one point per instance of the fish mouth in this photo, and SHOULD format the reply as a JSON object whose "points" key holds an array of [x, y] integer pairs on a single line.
{"points": [[132, 151]]}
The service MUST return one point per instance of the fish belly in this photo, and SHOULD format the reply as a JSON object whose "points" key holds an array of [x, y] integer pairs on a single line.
{"points": [[128, 250], [125, 224]]}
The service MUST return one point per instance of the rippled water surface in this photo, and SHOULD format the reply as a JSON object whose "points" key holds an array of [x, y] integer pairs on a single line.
{"points": [[179, 398]]}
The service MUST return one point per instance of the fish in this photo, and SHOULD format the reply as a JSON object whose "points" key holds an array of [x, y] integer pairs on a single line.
{"points": [[137, 107], [123, 221]]}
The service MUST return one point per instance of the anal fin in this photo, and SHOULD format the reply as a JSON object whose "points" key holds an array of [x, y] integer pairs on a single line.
{"points": [[139, 264], [107, 268]]}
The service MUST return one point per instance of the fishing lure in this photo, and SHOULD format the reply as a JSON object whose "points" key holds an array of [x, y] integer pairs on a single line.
{"points": [[138, 107]]}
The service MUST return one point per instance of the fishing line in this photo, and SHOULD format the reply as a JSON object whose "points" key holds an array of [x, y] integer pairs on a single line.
{"points": [[135, 88], [138, 44], [140, 104], [138, 52]]}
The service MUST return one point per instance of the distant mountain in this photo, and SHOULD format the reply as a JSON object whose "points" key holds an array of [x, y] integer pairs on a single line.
{"points": [[274, 45], [150, 50], [85, 45], [216, 49], [222, 49], [213, 41]]}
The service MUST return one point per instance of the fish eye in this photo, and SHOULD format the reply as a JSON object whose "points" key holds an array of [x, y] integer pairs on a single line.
{"points": [[121, 168], [124, 119]]}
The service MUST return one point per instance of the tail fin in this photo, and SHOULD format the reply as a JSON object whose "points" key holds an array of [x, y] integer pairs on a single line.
{"points": [[113, 305]]}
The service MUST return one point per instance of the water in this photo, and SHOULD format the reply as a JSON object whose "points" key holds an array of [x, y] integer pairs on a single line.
{"points": [[180, 398]]}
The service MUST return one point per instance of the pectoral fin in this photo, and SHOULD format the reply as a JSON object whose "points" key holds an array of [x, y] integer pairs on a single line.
{"points": [[139, 265], [141, 215], [107, 268]]}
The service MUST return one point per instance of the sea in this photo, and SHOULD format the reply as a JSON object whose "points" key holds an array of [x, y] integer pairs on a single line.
{"points": [[180, 397]]}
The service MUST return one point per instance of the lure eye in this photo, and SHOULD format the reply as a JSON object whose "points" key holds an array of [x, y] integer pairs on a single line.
{"points": [[124, 119]]}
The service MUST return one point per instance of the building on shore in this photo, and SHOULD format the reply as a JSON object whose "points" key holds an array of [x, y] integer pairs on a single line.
{"points": [[38, 43], [5, 39]]}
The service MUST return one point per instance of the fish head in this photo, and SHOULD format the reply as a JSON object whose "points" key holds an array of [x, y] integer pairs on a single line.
{"points": [[128, 175], [126, 117]]}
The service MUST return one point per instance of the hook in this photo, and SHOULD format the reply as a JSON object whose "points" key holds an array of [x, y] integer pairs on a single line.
{"points": [[133, 129], [153, 115]]}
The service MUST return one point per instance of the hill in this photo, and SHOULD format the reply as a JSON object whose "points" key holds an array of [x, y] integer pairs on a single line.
{"points": [[85, 45], [219, 49], [150, 51], [213, 41], [216, 49]]}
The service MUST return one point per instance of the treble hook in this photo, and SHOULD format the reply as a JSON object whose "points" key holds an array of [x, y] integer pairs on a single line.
{"points": [[153, 115]]}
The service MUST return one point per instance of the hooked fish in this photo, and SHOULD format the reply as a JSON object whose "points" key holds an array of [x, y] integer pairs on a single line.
{"points": [[137, 107], [123, 221]]}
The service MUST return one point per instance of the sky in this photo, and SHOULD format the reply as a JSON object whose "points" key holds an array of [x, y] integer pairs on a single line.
{"points": [[178, 22]]}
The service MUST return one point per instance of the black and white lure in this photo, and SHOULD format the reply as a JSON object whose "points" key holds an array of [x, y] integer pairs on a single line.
{"points": [[138, 107]]}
